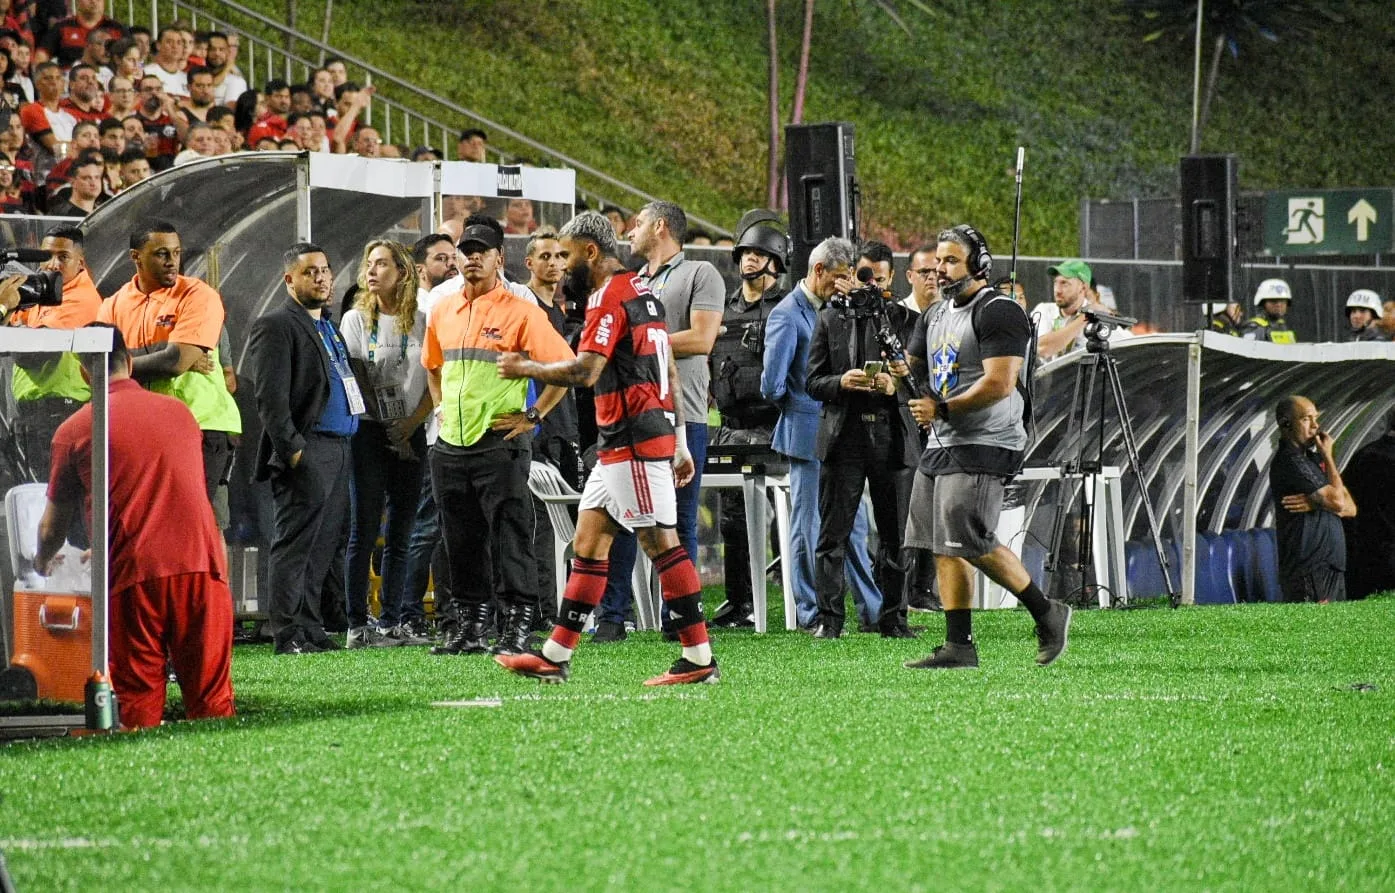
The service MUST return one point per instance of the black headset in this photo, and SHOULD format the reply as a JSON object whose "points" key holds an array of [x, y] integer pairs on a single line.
{"points": [[980, 260]]}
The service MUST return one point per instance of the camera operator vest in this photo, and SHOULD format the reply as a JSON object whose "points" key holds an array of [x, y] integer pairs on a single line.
{"points": [[737, 360]]}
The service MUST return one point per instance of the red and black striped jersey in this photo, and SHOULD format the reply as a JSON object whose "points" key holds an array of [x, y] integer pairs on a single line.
{"points": [[634, 397]]}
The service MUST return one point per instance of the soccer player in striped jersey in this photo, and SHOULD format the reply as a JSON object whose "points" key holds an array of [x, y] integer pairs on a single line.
{"points": [[642, 454]]}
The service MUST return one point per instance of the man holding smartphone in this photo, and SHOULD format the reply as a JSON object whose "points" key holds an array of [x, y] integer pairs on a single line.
{"points": [[867, 436], [1310, 500]]}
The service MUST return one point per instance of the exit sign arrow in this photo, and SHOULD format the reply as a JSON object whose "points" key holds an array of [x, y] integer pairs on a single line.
{"points": [[1363, 215]]}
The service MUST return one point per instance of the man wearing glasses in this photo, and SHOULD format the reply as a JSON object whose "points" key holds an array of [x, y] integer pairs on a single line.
{"points": [[921, 275]]}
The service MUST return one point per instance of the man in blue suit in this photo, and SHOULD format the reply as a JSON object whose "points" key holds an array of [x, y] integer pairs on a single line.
{"points": [[787, 336]]}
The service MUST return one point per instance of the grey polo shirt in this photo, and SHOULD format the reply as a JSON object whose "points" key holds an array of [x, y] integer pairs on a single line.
{"points": [[684, 286]]}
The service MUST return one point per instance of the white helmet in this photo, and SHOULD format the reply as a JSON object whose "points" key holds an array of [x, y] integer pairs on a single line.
{"points": [[1365, 299], [1273, 290]]}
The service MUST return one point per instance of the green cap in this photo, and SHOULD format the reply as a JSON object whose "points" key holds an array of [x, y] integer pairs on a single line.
{"points": [[1073, 269]]}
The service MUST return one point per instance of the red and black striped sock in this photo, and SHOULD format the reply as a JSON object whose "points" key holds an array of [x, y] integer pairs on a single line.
{"points": [[585, 588], [682, 595]]}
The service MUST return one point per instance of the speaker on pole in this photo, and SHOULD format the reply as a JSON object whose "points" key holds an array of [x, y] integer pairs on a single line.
{"points": [[821, 171], [1208, 228]]}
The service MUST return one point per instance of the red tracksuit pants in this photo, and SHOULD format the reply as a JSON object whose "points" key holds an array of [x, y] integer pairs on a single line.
{"points": [[188, 617]]}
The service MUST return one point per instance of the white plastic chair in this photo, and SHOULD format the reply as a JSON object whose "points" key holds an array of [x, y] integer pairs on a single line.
{"points": [[24, 507], [548, 485]]}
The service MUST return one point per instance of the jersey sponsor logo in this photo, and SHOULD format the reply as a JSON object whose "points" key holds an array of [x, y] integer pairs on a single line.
{"points": [[950, 543], [944, 366], [653, 311], [605, 329], [630, 516], [492, 333], [166, 321]]}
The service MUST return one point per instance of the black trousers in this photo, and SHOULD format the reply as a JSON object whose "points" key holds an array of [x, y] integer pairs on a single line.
{"points": [[487, 524], [866, 453], [736, 554], [35, 423], [217, 459], [312, 527]]}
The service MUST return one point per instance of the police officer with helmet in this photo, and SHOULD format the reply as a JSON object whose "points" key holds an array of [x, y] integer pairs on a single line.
{"points": [[1363, 309], [761, 254], [1269, 324]]}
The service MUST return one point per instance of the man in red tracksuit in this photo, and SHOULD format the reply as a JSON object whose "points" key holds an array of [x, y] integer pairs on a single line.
{"points": [[169, 589]]}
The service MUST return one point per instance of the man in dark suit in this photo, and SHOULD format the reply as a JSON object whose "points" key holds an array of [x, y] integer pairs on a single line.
{"points": [[866, 436], [787, 335], [309, 404]]}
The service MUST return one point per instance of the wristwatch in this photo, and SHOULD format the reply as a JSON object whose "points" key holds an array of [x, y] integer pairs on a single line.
{"points": [[532, 414]]}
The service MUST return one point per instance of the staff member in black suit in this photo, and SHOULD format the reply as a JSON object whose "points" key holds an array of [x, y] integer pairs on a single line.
{"points": [[309, 403], [867, 435]]}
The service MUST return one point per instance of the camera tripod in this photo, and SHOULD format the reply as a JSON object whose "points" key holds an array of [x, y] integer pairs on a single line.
{"points": [[1099, 363]]}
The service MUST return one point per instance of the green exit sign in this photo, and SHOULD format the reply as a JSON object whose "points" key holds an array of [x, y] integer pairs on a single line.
{"points": [[1328, 221]]}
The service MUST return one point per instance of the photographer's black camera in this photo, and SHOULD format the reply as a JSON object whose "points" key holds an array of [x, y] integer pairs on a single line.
{"points": [[860, 303], [43, 288]]}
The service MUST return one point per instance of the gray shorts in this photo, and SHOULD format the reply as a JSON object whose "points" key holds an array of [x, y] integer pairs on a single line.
{"points": [[955, 514]]}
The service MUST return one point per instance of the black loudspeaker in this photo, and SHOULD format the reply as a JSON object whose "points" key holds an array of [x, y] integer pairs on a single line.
{"points": [[821, 170], [1208, 228]]}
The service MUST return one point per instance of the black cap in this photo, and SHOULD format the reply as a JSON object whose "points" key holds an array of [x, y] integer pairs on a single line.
{"points": [[479, 234]]}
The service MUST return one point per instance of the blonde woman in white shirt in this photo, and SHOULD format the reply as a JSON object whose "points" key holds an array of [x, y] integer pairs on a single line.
{"points": [[384, 334]]}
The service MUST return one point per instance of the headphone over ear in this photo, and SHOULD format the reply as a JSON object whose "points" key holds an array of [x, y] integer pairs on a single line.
{"points": [[980, 261]]}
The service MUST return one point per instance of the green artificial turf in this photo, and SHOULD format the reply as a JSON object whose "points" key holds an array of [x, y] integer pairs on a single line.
{"points": [[1216, 748]]}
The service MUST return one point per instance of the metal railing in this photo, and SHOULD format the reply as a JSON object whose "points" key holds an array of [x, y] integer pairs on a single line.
{"points": [[389, 110]]}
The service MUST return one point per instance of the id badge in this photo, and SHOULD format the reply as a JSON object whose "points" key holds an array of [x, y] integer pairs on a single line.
{"points": [[392, 403], [351, 391]]}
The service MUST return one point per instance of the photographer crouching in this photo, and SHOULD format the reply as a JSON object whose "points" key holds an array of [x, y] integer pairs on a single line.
{"points": [[747, 417], [867, 436]]}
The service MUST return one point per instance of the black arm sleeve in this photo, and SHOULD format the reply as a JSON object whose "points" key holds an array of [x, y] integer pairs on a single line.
{"points": [[1003, 330], [918, 348]]}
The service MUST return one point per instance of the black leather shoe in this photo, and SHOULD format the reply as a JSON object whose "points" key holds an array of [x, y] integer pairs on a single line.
{"points": [[828, 631], [608, 631], [899, 631], [295, 644]]}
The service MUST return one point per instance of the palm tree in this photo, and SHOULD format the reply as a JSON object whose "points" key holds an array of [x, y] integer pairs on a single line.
{"points": [[1232, 23]]}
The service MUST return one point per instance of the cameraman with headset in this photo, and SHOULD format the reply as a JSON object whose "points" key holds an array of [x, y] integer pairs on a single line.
{"points": [[738, 357], [866, 436], [974, 343]]}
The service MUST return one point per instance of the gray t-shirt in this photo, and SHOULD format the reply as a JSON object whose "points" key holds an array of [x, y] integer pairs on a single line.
{"points": [[684, 286], [953, 351]]}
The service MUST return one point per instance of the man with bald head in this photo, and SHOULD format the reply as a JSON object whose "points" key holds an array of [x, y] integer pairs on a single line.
{"points": [[1309, 502]]}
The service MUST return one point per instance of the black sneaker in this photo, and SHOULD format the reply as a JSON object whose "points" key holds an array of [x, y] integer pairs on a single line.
{"points": [[417, 628], [608, 631], [1053, 633], [733, 615], [369, 636], [900, 630], [949, 656], [295, 644]]}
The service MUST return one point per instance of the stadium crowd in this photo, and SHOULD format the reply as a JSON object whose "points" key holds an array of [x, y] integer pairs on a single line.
{"points": [[90, 106]]}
